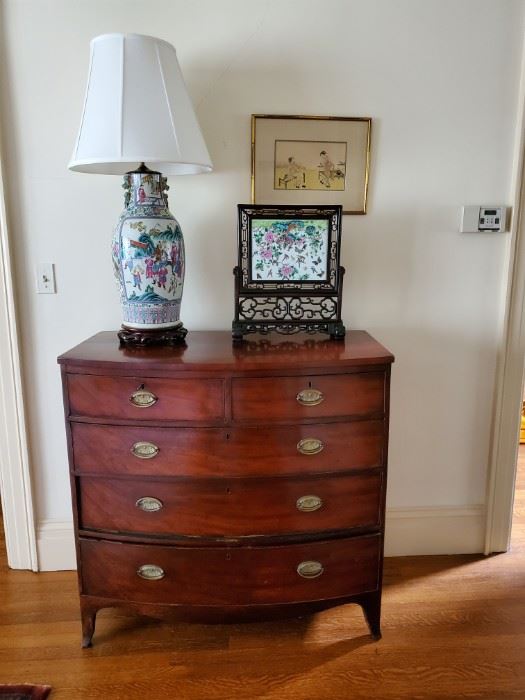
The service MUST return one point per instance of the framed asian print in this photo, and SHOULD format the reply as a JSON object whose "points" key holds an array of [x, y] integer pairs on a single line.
{"points": [[288, 277], [300, 160]]}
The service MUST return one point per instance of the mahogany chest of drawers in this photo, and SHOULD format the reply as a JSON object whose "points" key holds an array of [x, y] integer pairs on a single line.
{"points": [[219, 482]]}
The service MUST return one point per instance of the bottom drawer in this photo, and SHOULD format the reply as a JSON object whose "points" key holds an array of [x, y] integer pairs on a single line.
{"points": [[230, 576]]}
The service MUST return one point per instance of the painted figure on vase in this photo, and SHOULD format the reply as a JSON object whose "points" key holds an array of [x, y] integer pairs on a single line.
{"points": [[137, 276]]}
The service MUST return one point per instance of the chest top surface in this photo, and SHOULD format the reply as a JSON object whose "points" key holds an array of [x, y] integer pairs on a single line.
{"points": [[214, 351]]}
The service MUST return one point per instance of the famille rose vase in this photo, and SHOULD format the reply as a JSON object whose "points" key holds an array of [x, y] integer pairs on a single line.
{"points": [[148, 255]]}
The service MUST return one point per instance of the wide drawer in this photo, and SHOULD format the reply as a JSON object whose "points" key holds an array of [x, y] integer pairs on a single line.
{"points": [[323, 396], [246, 451], [230, 576], [145, 399], [230, 507]]}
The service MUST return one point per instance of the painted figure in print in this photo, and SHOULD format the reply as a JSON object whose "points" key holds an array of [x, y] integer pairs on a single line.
{"points": [[310, 165], [283, 250]]}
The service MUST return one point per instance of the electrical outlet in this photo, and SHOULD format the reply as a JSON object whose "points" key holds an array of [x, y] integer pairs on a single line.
{"points": [[45, 278]]}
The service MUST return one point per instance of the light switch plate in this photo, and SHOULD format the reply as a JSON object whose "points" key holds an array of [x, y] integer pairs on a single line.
{"points": [[45, 278]]}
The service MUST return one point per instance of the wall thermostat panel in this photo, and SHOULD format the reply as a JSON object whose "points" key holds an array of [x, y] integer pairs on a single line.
{"points": [[476, 219]]}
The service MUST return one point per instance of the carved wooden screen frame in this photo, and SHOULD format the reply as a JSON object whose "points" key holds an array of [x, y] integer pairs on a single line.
{"points": [[288, 306]]}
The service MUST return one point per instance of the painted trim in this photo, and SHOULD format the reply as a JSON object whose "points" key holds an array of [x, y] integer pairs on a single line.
{"points": [[434, 530], [15, 477], [501, 478], [56, 545], [409, 531]]}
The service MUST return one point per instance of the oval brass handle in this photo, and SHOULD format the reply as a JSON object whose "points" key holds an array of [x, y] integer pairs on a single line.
{"points": [[150, 572], [143, 398], [310, 397], [310, 569], [309, 446], [149, 504], [307, 504], [145, 450]]}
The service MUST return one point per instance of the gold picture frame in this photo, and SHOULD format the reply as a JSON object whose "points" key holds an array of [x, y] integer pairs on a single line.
{"points": [[300, 160]]}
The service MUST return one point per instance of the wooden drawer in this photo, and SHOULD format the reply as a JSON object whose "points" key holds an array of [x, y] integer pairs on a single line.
{"points": [[174, 399], [295, 398], [247, 451], [230, 507], [229, 575]]}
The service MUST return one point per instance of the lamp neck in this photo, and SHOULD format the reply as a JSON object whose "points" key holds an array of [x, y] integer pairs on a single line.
{"points": [[146, 192], [143, 168]]}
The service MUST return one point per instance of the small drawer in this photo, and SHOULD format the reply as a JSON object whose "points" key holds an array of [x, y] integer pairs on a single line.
{"points": [[145, 399], [240, 451], [293, 398], [230, 507], [230, 575]]}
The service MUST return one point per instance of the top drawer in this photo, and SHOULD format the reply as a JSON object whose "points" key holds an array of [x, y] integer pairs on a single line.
{"points": [[149, 399], [323, 396]]}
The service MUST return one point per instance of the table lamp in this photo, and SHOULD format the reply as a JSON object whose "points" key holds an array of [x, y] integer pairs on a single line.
{"points": [[138, 121]]}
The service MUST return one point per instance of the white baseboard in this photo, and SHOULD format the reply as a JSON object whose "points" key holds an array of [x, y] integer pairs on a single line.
{"points": [[56, 545], [436, 530], [409, 531]]}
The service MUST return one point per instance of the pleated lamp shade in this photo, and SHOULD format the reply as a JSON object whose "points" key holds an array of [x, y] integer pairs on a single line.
{"points": [[137, 110]]}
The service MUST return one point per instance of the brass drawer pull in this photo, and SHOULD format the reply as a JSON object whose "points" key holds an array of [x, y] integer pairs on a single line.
{"points": [[143, 398], [310, 397], [309, 446], [307, 504], [145, 450], [150, 572], [149, 504], [310, 569]]}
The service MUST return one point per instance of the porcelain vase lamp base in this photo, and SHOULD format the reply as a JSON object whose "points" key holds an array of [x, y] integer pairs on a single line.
{"points": [[149, 262]]}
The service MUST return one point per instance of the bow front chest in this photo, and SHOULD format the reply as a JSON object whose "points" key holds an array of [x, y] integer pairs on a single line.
{"points": [[219, 482]]}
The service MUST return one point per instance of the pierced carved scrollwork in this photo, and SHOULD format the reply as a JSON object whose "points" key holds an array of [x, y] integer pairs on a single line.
{"points": [[282, 308]]}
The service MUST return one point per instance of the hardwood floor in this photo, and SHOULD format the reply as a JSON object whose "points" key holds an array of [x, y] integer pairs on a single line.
{"points": [[453, 627]]}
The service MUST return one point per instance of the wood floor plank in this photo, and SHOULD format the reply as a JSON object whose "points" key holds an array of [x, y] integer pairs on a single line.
{"points": [[453, 628]]}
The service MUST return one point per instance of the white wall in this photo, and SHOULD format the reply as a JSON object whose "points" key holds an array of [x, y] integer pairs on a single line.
{"points": [[440, 80]]}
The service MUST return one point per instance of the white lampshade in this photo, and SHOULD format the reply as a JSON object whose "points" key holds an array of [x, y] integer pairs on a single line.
{"points": [[137, 110]]}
